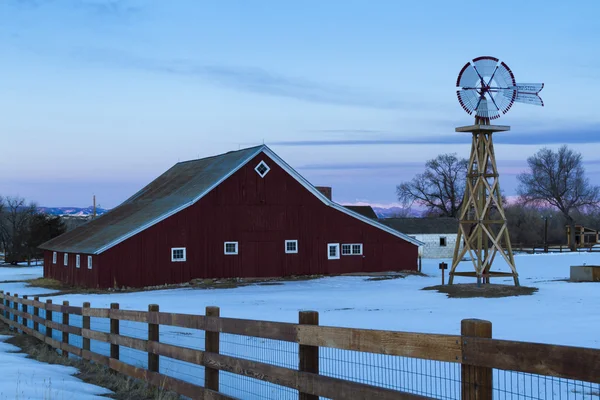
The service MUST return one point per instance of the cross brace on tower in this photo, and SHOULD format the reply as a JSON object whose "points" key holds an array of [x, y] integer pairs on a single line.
{"points": [[483, 231]]}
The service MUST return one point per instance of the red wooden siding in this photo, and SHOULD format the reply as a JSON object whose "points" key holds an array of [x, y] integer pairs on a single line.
{"points": [[260, 214], [69, 273]]}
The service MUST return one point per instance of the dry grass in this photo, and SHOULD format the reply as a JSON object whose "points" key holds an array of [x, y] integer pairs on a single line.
{"points": [[471, 290], [124, 387]]}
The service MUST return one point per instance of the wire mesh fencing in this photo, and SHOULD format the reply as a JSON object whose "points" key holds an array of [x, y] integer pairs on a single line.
{"points": [[345, 355]]}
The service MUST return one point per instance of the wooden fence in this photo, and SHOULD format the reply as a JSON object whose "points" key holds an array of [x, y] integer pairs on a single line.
{"points": [[474, 352]]}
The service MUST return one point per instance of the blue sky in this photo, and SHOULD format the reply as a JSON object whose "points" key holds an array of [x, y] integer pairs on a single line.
{"points": [[101, 96]]}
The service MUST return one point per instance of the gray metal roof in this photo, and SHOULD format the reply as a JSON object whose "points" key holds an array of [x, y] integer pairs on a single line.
{"points": [[178, 187], [422, 225], [366, 211]]}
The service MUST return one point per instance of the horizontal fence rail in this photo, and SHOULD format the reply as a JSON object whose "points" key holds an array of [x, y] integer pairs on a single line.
{"points": [[211, 357]]}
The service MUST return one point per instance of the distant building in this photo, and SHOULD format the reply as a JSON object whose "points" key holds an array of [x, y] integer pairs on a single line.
{"points": [[245, 213], [437, 234], [366, 211]]}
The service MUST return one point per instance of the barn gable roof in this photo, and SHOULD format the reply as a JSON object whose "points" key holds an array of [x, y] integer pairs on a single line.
{"points": [[179, 187], [422, 225]]}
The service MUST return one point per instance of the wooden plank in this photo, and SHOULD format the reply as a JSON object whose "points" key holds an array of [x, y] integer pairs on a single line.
{"points": [[180, 320], [165, 382], [91, 356], [27, 302], [39, 304], [418, 345], [38, 320], [62, 327], [69, 348], [70, 310], [127, 341], [317, 385], [52, 342], [567, 362], [65, 334], [128, 315], [95, 335], [192, 356], [95, 312], [263, 329]]}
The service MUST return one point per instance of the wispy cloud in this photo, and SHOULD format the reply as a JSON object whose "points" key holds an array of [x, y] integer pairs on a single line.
{"points": [[583, 134], [256, 80]]}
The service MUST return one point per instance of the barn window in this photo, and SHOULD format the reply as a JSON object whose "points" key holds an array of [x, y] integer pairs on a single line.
{"points": [[231, 247], [333, 251], [77, 261], [54, 258], [291, 246], [262, 169], [346, 249], [357, 249], [178, 254], [66, 259], [442, 241], [89, 262]]}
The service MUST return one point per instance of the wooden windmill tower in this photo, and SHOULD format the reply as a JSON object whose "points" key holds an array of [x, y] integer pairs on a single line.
{"points": [[488, 88]]}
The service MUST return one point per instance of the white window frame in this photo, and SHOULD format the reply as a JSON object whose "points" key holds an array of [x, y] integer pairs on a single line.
{"points": [[445, 238], [360, 251], [54, 257], [173, 259], [295, 251], [337, 251], [66, 259], [230, 253], [348, 249], [258, 172], [346, 246], [77, 261], [89, 259]]}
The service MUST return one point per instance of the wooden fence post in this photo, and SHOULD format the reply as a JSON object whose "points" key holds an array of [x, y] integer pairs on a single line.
{"points": [[65, 335], [24, 308], [36, 313], [85, 324], [211, 345], [476, 381], [308, 355], [48, 318], [153, 335], [15, 316], [2, 297], [114, 330], [7, 306]]}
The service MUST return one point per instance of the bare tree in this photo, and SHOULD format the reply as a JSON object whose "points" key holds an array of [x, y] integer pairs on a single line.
{"points": [[558, 179], [440, 189], [14, 228]]}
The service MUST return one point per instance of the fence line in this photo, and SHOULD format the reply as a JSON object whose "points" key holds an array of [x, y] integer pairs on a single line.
{"points": [[263, 359]]}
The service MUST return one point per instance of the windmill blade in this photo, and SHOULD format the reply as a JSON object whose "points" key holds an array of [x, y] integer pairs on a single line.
{"points": [[529, 87], [504, 99], [485, 65], [468, 99], [467, 77], [529, 98], [504, 76]]}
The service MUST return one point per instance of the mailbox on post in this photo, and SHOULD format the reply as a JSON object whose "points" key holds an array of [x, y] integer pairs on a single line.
{"points": [[443, 266]]}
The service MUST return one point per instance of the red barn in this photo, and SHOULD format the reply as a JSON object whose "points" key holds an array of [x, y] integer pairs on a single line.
{"points": [[244, 213]]}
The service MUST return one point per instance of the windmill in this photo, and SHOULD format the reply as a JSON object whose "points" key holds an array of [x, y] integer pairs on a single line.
{"points": [[487, 89]]}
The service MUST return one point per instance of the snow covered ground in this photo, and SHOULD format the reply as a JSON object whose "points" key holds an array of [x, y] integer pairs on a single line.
{"points": [[25, 378], [560, 313]]}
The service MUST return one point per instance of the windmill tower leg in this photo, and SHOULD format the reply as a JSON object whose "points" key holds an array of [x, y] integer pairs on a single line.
{"points": [[483, 231]]}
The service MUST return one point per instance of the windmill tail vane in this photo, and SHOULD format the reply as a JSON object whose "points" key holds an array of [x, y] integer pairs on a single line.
{"points": [[487, 87]]}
